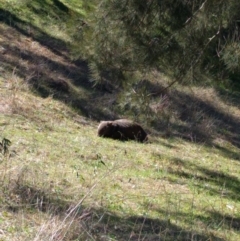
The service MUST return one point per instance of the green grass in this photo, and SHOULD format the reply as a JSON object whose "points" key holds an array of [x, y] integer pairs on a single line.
{"points": [[59, 181], [40, 18], [185, 186]]}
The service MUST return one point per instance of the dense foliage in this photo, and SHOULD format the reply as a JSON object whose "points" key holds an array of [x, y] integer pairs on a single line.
{"points": [[181, 38]]}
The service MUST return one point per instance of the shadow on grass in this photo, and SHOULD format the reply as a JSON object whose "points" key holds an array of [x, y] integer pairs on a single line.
{"points": [[43, 61], [213, 182], [232, 95], [199, 121], [225, 220], [50, 72], [210, 220], [204, 121], [26, 29], [190, 117], [87, 223]]}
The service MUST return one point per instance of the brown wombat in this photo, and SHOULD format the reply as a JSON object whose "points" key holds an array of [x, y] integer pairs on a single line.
{"points": [[122, 129]]}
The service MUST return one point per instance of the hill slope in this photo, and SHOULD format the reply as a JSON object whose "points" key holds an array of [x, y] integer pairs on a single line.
{"points": [[59, 181]]}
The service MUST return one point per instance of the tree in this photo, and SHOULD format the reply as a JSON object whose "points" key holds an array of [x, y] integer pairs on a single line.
{"points": [[181, 38]]}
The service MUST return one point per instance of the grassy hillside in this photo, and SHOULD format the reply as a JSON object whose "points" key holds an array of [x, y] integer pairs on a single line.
{"points": [[59, 181]]}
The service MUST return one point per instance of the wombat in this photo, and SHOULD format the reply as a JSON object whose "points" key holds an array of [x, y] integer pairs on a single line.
{"points": [[122, 129]]}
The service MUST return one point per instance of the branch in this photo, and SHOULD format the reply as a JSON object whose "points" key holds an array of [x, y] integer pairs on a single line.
{"points": [[201, 7]]}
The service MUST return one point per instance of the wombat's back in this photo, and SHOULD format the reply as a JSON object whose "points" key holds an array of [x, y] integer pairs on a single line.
{"points": [[124, 122], [130, 130]]}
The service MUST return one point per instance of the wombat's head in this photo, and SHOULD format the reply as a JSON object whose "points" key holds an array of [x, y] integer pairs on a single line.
{"points": [[105, 128]]}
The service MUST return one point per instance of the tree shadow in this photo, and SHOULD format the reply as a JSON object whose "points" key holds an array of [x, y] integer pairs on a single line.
{"points": [[212, 181], [204, 121], [44, 63], [209, 220], [190, 117], [103, 224], [26, 29], [50, 72], [201, 122], [230, 93], [227, 153], [227, 220]]}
